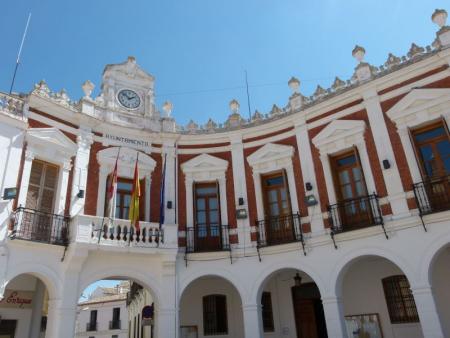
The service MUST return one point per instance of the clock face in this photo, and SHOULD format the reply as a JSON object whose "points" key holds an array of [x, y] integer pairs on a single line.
{"points": [[129, 99]]}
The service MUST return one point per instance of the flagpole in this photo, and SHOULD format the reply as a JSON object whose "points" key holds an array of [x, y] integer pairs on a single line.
{"points": [[18, 54], [113, 204]]}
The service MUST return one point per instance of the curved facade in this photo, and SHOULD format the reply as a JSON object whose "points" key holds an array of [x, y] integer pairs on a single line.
{"points": [[326, 217]]}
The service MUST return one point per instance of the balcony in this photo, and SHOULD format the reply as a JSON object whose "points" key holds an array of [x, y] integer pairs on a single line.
{"points": [[354, 214], [279, 230], [115, 325], [11, 105], [91, 326], [37, 226], [433, 195], [115, 233], [207, 239]]}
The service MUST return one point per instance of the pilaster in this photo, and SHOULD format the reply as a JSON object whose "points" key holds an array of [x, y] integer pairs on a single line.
{"points": [[169, 155], [26, 171], [252, 321], [428, 315], [396, 194], [334, 316]]}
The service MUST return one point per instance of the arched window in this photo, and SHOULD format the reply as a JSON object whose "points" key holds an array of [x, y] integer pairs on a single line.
{"points": [[400, 300], [215, 320]]}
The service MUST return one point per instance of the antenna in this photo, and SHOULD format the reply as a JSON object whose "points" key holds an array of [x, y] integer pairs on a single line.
{"points": [[248, 98], [20, 52]]}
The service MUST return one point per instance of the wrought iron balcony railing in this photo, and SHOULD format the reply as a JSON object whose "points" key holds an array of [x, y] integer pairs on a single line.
{"points": [[38, 226], [91, 326], [355, 213], [115, 325], [279, 230], [207, 238], [433, 195]]}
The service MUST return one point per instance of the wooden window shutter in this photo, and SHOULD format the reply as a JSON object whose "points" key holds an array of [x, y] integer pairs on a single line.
{"points": [[416, 154], [286, 186], [218, 202], [194, 204], [358, 161]]}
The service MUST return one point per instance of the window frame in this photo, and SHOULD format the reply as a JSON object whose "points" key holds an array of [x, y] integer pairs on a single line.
{"points": [[267, 312], [215, 313], [401, 307]]}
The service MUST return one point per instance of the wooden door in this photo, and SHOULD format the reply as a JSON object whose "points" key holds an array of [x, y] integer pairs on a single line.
{"points": [[207, 229], [433, 149], [354, 207], [40, 200]]}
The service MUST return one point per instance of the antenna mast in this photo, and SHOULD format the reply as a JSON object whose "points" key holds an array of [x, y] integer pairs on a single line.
{"points": [[18, 54], [248, 98]]}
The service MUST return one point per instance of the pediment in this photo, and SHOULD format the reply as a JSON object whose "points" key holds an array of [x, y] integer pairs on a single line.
{"points": [[129, 69], [270, 152], [418, 100], [339, 129], [52, 138], [127, 157], [204, 162]]}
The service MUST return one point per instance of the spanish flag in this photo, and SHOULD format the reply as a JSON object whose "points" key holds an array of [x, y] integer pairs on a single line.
{"points": [[135, 195]]}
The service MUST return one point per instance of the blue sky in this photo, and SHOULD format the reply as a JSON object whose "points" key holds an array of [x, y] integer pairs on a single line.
{"points": [[198, 50]]}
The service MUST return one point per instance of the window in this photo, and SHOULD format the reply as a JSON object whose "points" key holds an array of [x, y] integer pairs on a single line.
{"points": [[400, 300], [42, 186], [123, 198], [433, 150], [207, 216], [116, 314], [215, 315], [349, 178], [267, 313], [276, 195], [114, 336]]}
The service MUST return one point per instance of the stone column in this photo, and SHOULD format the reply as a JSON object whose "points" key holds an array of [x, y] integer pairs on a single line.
{"points": [[258, 195], [168, 152], [309, 174], [408, 148], [334, 317], [428, 315], [61, 319], [394, 187], [166, 322], [189, 202], [26, 171], [252, 321], [79, 181], [38, 301], [63, 182], [240, 189]]}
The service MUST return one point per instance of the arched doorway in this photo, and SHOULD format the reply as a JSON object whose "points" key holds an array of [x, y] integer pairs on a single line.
{"points": [[291, 305], [377, 299], [116, 307], [440, 281], [211, 305], [24, 307]]}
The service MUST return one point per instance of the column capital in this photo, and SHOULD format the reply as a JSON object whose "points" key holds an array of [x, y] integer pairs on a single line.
{"points": [[29, 155], [370, 94], [85, 140], [251, 307], [67, 165], [236, 139]]}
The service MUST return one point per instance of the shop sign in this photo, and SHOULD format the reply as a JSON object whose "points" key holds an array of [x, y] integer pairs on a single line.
{"points": [[17, 299]]}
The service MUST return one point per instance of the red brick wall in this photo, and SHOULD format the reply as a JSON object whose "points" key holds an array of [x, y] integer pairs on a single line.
{"points": [[92, 180], [155, 188]]}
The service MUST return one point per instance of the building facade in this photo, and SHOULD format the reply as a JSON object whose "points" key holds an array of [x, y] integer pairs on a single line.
{"points": [[104, 314], [329, 217]]}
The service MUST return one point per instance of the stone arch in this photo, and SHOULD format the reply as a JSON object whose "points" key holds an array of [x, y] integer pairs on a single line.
{"points": [[49, 277], [273, 268], [220, 273], [344, 264], [440, 243], [145, 279]]}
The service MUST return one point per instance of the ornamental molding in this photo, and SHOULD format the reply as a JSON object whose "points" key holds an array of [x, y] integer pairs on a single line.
{"points": [[420, 106], [51, 144], [339, 135], [126, 161], [204, 163], [269, 155]]}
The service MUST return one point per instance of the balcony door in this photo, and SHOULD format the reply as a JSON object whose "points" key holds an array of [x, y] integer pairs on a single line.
{"points": [[207, 227], [40, 200], [353, 204], [279, 226], [433, 150]]}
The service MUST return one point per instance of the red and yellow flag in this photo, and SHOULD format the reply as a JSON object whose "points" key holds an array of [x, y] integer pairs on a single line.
{"points": [[135, 195]]}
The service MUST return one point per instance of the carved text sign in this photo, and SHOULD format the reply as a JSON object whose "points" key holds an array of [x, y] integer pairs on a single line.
{"points": [[17, 299], [121, 140]]}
